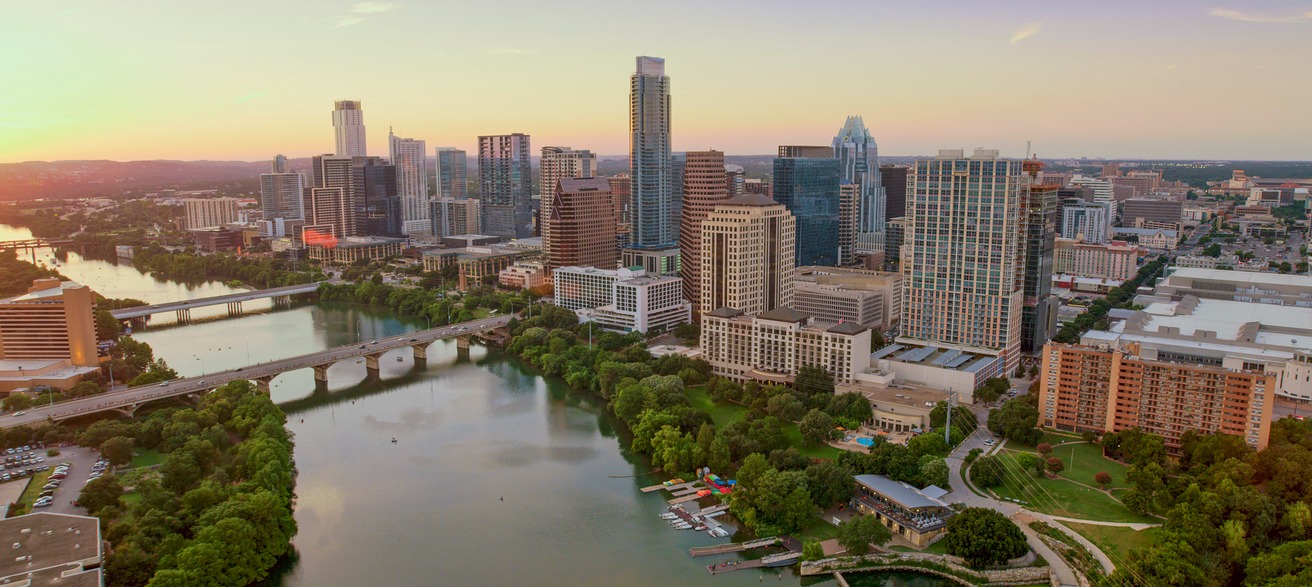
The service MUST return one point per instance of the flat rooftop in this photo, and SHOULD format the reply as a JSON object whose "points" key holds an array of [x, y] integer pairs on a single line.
{"points": [[52, 550], [904, 495], [44, 294], [1243, 276], [1283, 326], [932, 356]]}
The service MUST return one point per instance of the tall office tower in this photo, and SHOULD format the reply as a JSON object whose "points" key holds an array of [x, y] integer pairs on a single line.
{"points": [[964, 254], [855, 148], [582, 225], [1039, 213], [209, 212], [747, 256], [348, 126], [622, 197], [505, 185], [806, 181], [654, 235], [338, 214], [847, 209], [895, 232], [453, 217], [376, 196], [703, 187], [559, 163], [452, 173], [53, 320], [894, 180], [280, 192], [410, 157], [735, 180]]}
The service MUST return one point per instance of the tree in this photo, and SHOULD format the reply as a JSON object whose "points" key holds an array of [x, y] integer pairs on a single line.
{"points": [[1054, 465], [17, 401], [829, 483], [100, 493], [812, 551], [813, 380], [992, 389], [786, 407], [934, 472], [853, 406], [1044, 449], [857, 534], [1102, 478], [816, 426], [117, 449], [1016, 420], [987, 471], [1030, 461], [983, 537]]}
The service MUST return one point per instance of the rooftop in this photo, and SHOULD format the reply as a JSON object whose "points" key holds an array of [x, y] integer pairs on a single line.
{"points": [[783, 315], [749, 200], [51, 550], [904, 495], [1243, 276], [43, 294]]}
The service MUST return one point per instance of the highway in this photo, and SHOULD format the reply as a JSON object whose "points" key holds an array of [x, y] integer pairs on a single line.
{"points": [[246, 296], [128, 400]]}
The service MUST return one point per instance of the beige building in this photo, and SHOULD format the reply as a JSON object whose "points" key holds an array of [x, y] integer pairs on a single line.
{"points": [[704, 186], [53, 320], [523, 275], [887, 284], [48, 549], [747, 258], [771, 346], [451, 217], [1239, 286], [1115, 260], [352, 249], [209, 212], [836, 303]]}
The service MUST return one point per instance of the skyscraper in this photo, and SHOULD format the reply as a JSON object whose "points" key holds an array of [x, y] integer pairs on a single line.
{"points": [[704, 186], [410, 158], [747, 256], [452, 173], [376, 197], [1039, 213], [847, 212], [894, 180], [806, 181], [280, 192], [655, 233], [582, 220], [559, 163], [505, 183], [858, 153], [964, 255], [348, 127], [622, 198]]}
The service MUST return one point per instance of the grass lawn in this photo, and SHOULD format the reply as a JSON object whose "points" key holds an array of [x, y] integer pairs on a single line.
{"points": [[818, 529], [1083, 461], [131, 498], [33, 490], [1060, 497], [1117, 542], [145, 458], [723, 414], [939, 547]]}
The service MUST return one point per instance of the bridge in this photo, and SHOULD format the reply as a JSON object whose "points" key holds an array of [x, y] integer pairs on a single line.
{"points": [[280, 295], [128, 401], [33, 244]]}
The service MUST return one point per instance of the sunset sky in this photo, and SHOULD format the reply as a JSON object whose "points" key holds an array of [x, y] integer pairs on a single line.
{"points": [[163, 79]]}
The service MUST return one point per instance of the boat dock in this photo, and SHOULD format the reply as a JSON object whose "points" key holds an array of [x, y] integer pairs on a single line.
{"points": [[732, 547], [671, 485], [781, 559]]}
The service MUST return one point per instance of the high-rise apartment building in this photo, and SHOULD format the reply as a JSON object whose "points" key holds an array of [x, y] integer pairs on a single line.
{"points": [[281, 192], [559, 163], [453, 217], [376, 197], [1116, 260], [895, 232], [894, 180], [452, 173], [651, 170], [53, 320], [1039, 213], [848, 206], [704, 186], [505, 185], [858, 154], [209, 212], [410, 157], [964, 257], [1090, 222], [747, 256], [621, 186], [1108, 390], [348, 127], [806, 181], [582, 221]]}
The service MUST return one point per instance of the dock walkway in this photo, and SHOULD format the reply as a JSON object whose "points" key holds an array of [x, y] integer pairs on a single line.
{"points": [[697, 551]]}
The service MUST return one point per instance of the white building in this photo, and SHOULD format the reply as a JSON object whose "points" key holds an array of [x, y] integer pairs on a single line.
{"points": [[280, 192], [410, 158], [209, 212], [1153, 238], [622, 299], [772, 346], [577, 288], [452, 216], [1087, 221], [348, 127]]}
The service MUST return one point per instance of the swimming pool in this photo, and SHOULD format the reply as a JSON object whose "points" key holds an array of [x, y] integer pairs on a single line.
{"points": [[865, 441]]}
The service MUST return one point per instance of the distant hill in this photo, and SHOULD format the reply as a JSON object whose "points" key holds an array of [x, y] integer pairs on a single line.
{"points": [[79, 179]]}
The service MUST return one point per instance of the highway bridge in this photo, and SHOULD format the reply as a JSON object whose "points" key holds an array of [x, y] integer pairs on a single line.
{"points": [[183, 308], [35, 243], [128, 401]]}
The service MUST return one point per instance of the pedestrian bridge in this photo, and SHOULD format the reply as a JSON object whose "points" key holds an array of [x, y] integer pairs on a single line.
{"points": [[183, 308], [128, 401]]}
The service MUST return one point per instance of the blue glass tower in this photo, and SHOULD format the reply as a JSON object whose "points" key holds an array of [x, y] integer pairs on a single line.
{"points": [[856, 149], [806, 181], [654, 217]]}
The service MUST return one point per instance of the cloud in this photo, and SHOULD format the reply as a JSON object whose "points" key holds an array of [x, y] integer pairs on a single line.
{"points": [[374, 7], [1241, 17], [514, 51], [1025, 32], [345, 21]]}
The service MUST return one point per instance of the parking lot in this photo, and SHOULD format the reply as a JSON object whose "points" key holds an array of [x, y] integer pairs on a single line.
{"points": [[81, 460]]}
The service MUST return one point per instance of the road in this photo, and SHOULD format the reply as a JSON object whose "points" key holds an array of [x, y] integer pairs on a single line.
{"points": [[246, 296], [130, 399]]}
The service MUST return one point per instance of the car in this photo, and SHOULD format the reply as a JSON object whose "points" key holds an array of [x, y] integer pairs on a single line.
{"points": [[989, 442], [47, 493], [414, 340], [6, 477], [164, 384], [373, 342], [19, 413], [9, 451], [43, 504], [202, 382]]}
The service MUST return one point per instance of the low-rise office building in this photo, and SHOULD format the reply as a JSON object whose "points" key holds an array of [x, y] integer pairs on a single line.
{"points": [[1153, 238], [523, 275], [1239, 286], [1115, 260], [771, 346], [916, 515], [837, 303], [887, 284], [642, 303], [355, 248]]}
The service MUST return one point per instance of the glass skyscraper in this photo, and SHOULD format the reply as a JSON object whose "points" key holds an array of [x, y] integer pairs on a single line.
{"points": [[858, 154], [654, 219], [806, 181]]}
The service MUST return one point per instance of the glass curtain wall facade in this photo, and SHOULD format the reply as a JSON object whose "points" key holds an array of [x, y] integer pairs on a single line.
{"points": [[809, 188]]}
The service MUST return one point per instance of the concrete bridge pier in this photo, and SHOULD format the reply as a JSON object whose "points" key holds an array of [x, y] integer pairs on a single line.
{"points": [[184, 316], [371, 365], [263, 383], [421, 353], [321, 375], [462, 348], [234, 308], [282, 301]]}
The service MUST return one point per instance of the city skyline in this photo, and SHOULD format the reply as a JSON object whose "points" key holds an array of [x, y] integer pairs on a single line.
{"points": [[1172, 80]]}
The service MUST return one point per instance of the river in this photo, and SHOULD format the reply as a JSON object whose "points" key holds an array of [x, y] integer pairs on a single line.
{"points": [[498, 476]]}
